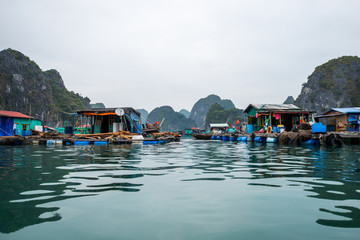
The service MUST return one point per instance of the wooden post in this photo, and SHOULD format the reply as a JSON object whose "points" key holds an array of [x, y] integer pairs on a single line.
{"points": [[81, 127]]}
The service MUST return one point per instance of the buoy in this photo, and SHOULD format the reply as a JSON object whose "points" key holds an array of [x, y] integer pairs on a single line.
{"points": [[269, 129]]}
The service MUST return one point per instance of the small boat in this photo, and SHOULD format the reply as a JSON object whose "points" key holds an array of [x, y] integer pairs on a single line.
{"points": [[202, 136]]}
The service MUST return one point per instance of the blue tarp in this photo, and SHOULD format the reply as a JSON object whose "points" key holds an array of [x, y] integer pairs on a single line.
{"points": [[6, 126], [353, 118]]}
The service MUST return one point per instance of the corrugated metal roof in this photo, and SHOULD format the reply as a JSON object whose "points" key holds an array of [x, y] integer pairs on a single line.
{"points": [[13, 114], [273, 107], [347, 110], [127, 110], [219, 125], [276, 106]]}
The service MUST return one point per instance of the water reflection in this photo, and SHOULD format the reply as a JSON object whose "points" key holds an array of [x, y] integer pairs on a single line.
{"points": [[32, 176]]}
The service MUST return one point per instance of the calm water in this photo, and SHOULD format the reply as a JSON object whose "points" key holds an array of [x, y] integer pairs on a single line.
{"points": [[186, 190]]}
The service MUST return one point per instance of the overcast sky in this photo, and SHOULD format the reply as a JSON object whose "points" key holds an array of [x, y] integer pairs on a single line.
{"points": [[147, 54]]}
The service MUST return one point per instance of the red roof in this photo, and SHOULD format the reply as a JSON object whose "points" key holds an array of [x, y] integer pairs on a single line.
{"points": [[13, 114]]}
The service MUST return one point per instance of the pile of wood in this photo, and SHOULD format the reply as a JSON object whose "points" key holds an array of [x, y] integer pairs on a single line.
{"points": [[36, 135], [167, 136], [106, 136]]}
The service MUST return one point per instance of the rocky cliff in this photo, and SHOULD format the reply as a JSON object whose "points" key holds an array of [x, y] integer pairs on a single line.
{"points": [[289, 100], [97, 105], [201, 108], [25, 88], [144, 114], [173, 121], [333, 84], [185, 112]]}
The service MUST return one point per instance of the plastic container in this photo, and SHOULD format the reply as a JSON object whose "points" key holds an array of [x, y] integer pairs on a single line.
{"points": [[275, 129], [318, 128], [138, 138], [116, 127], [150, 142], [231, 139], [225, 138], [271, 140], [54, 142], [100, 143], [250, 128]]}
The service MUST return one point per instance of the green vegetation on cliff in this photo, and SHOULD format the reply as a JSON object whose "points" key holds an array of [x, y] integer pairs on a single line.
{"points": [[202, 106], [218, 114], [25, 88], [173, 121], [333, 84]]}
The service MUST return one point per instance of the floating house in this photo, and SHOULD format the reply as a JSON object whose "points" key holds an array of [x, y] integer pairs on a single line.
{"points": [[271, 117], [219, 127], [17, 123], [341, 119], [194, 130], [104, 120]]}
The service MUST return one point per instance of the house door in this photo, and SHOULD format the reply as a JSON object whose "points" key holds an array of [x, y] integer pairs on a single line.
{"points": [[288, 122]]}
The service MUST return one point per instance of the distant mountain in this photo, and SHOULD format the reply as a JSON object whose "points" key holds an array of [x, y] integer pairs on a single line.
{"points": [[201, 108], [144, 114], [218, 114], [174, 121], [97, 105], [289, 100], [333, 84], [185, 112], [25, 88]]}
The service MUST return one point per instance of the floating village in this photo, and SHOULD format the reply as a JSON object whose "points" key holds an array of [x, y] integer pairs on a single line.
{"points": [[266, 123]]}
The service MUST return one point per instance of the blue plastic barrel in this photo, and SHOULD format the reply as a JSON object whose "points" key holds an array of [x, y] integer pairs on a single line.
{"points": [[225, 138], [100, 143], [260, 139], [81, 142]]}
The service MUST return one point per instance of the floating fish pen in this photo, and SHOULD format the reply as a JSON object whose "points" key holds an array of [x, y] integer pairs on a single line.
{"points": [[306, 137], [100, 139]]}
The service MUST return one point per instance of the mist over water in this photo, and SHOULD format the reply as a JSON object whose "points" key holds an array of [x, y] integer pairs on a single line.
{"points": [[185, 190]]}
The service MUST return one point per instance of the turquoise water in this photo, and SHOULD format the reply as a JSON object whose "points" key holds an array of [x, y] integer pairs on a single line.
{"points": [[186, 190]]}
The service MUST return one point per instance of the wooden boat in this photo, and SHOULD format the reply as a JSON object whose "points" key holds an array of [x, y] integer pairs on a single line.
{"points": [[202, 136]]}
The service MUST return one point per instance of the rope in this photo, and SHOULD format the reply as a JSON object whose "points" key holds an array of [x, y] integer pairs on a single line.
{"points": [[5, 132]]}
